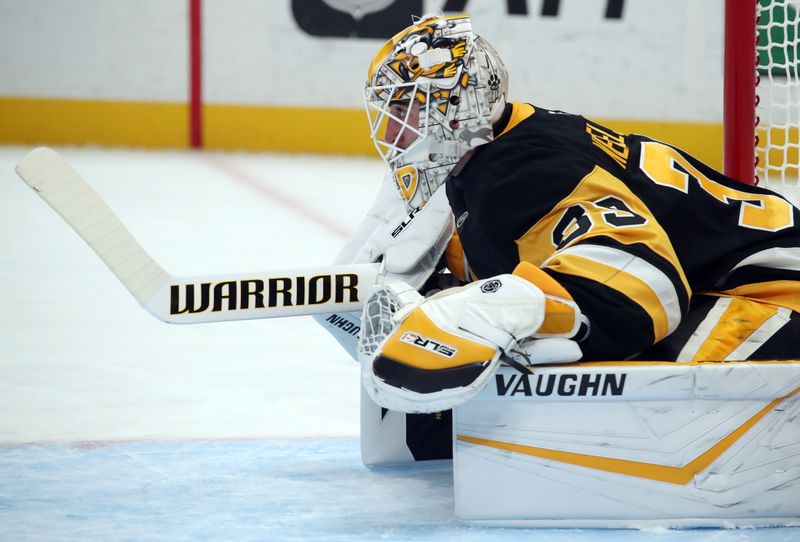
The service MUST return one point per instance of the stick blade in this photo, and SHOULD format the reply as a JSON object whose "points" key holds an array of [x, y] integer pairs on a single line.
{"points": [[34, 168], [57, 183], [186, 300]]}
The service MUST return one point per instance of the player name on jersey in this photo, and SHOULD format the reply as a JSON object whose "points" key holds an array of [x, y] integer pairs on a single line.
{"points": [[564, 385], [272, 292]]}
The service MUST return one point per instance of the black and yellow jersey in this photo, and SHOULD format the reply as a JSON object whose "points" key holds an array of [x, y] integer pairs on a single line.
{"points": [[629, 226]]}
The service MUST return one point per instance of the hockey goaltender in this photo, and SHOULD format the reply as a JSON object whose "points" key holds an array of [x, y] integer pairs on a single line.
{"points": [[506, 240], [566, 240], [515, 239]]}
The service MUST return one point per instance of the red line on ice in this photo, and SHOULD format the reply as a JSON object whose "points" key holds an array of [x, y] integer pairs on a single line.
{"points": [[330, 225]]}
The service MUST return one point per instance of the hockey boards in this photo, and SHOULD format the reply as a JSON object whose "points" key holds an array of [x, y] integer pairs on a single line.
{"points": [[186, 300]]}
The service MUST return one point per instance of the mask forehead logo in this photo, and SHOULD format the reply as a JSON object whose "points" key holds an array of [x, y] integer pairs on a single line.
{"points": [[419, 54], [414, 41]]}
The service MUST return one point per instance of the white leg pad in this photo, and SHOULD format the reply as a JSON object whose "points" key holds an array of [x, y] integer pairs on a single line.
{"points": [[631, 445]]}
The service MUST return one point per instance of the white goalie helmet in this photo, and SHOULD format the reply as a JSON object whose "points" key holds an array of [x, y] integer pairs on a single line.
{"points": [[433, 92]]}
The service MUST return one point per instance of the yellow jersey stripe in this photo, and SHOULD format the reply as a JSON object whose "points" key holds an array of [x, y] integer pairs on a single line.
{"points": [[456, 259], [639, 287], [519, 112], [737, 323], [783, 293]]}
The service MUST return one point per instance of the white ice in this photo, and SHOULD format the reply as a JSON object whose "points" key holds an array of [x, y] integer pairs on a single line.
{"points": [[115, 426]]}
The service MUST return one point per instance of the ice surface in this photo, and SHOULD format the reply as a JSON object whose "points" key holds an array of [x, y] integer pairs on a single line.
{"points": [[255, 490], [115, 426], [82, 361]]}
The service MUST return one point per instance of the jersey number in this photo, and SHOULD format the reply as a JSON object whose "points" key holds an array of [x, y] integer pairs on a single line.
{"points": [[667, 167], [576, 221]]}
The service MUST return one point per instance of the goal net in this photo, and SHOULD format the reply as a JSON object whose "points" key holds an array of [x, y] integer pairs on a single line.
{"points": [[762, 93]]}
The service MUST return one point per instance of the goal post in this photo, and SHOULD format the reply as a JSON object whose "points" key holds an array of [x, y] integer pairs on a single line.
{"points": [[761, 112], [739, 117]]}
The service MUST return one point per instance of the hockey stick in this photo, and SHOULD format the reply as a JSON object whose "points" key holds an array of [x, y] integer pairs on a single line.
{"points": [[214, 298]]}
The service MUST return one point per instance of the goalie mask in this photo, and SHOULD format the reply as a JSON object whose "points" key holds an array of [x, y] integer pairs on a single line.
{"points": [[433, 93]]}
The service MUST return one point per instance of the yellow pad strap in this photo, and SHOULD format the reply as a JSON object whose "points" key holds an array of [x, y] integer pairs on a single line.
{"points": [[541, 279], [559, 317]]}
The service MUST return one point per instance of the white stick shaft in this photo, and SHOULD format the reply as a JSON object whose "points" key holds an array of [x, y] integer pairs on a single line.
{"points": [[239, 296]]}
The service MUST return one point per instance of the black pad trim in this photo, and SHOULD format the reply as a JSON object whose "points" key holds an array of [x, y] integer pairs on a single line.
{"points": [[419, 380]]}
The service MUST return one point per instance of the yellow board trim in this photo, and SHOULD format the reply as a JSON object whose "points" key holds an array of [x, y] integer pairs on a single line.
{"points": [[287, 129], [33, 121], [703, 140], [27, 120], [637, 469]]}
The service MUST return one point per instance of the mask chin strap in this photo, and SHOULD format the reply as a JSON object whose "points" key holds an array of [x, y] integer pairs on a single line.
{"points": [[436, 151], [454, 149]]}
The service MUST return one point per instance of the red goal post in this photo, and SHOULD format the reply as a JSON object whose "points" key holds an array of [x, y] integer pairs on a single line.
{"points": [[761, 112]]}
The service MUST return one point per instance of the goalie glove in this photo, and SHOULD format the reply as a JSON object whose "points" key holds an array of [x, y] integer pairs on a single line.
{"points": [[427, 355]]}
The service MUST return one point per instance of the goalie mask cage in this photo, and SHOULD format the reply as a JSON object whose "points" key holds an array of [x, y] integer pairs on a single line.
{"points": [[762, 94]]}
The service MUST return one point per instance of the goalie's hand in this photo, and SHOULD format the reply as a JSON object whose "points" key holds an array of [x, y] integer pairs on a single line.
{"points": [[444, 349]]}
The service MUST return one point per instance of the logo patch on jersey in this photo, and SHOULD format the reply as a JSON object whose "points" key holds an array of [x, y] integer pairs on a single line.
{"points": [[461, 219], [491, 286], [441, 349]]}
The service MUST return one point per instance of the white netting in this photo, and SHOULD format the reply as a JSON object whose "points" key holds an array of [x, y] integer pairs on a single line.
{"points": [[377, 317], [376, 322], [778, 103]]}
